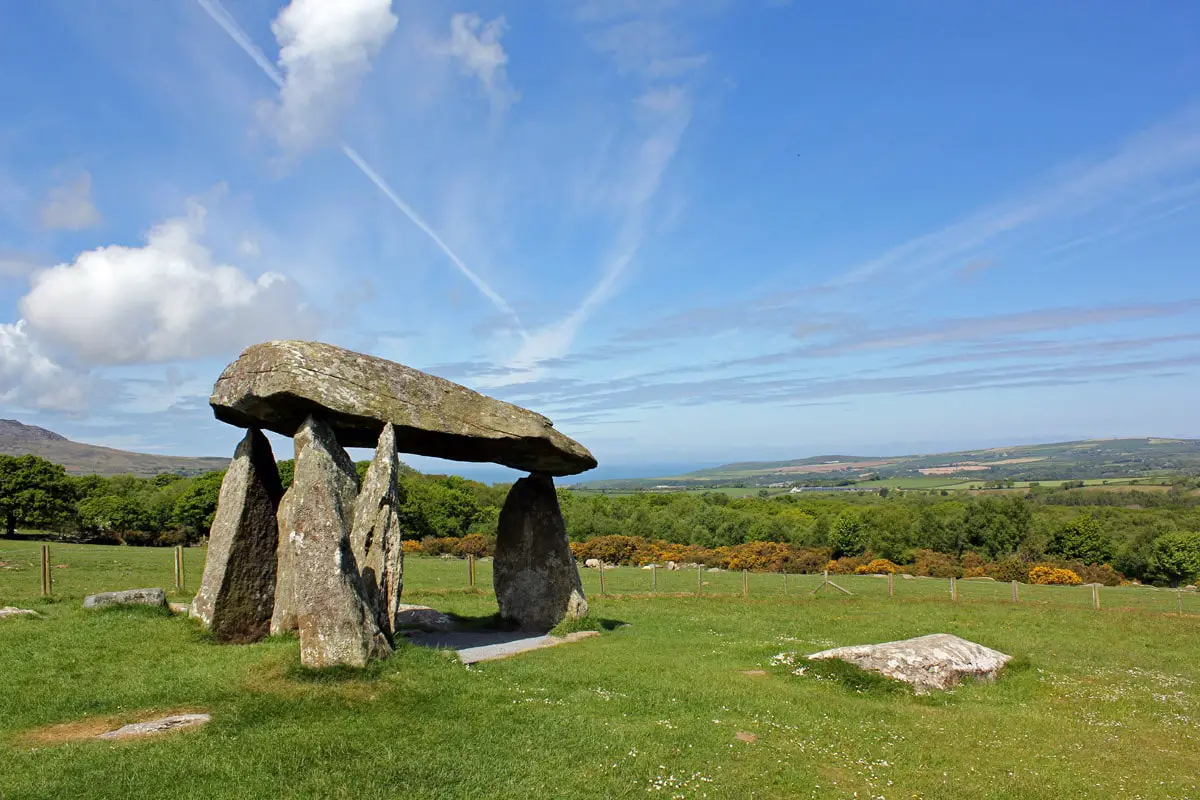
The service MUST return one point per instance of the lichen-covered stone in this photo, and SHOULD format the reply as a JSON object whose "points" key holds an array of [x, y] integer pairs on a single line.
{"points": [[156, 726], [128, 597], [936, 661], [375, 536], [283, 615], [537, 583], [237, 593], [324, 593], [276, 385]]}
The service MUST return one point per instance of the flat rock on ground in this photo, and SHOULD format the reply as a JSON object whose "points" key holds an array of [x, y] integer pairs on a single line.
{"points": [[936, 661], [129, 597], [473, 647], [276, 385], [422, 618], [12, 611], [155, 726]]}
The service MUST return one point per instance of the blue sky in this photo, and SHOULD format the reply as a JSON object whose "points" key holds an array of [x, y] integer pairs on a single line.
{"points": [[688, 231]]}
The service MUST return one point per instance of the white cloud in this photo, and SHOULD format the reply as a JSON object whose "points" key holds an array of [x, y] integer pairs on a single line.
{"points": [[70, 207], [29, 379], [167, 300], [476, 46], [326, 47]]}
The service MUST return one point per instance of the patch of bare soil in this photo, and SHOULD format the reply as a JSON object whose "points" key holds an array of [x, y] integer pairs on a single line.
{"points": [[90, 727]]}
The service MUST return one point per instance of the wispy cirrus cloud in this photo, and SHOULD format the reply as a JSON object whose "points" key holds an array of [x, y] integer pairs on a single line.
{"points": [[476, 46], [645, 42]]}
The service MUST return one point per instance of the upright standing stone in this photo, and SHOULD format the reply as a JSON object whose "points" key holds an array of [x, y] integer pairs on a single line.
{"points": [[237, 592], [375, 537], [534, 573], [326, 594], [283, 617]]}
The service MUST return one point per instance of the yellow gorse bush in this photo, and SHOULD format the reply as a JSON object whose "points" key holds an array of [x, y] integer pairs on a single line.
{"points": [[1053, 576]]}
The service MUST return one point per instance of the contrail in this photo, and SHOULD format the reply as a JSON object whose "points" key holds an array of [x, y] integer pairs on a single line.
{"points": [[222, 17]]}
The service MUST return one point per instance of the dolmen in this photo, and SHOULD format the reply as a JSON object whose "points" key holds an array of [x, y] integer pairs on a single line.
{"points": [[324, 558]]}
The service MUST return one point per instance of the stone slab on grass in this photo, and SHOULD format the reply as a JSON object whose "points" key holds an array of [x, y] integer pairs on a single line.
{"points": [[936, 661], [156, 726], [129, 597], [422, 618], [475, 646], [12, 611]]}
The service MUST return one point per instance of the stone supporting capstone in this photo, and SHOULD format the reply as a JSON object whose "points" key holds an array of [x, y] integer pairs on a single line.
{"points": [[237, 592], [375, 536], [320, 591], [537, 583]]}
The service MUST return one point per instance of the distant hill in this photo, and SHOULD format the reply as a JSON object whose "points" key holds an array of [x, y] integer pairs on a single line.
{"points": [[1082, 460], [17, 439]]}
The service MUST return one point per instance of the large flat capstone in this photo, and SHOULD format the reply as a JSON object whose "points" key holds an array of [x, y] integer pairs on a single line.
{"points": [[936, 661], [277, 385]]}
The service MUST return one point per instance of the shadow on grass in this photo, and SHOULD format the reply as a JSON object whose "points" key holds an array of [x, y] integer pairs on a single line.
{"points": [[854, 678], [494, 622]]}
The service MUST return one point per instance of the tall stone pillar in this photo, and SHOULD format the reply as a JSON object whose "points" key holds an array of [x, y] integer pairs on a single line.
{"points": [[375, 537], [537, 583], [237, 592], [320, 591]]}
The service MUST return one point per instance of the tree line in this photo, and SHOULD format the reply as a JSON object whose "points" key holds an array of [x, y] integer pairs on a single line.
{"points": [[1149, 536]]}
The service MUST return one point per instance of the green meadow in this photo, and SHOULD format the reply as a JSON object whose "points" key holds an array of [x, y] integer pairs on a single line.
{"points": [[1097, 703]]}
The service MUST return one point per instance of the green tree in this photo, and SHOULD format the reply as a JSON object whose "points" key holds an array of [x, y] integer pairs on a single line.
{"points": [[113, 514], [195, 507], [437, 506], [287, 469], [1175, 558], [847, 536], [996, 527], [33, 492], [1082, 539]]}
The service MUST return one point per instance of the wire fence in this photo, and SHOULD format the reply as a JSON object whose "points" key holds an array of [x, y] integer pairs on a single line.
{"points": [[642, 581], [102, 568]]}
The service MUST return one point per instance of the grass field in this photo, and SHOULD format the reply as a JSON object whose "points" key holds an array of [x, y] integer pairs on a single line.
{"points": [[1102, 704]]}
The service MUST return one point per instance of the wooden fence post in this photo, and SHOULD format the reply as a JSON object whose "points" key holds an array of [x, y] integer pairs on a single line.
{"points": [[699, 578], [653, 578], [1096, 596], [785, 583], [1179, 601], [46, 570], [891, 584], [745, 584], [471, 570], [601, 576], [175, 558], [1016, 595], [953, 589]]}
